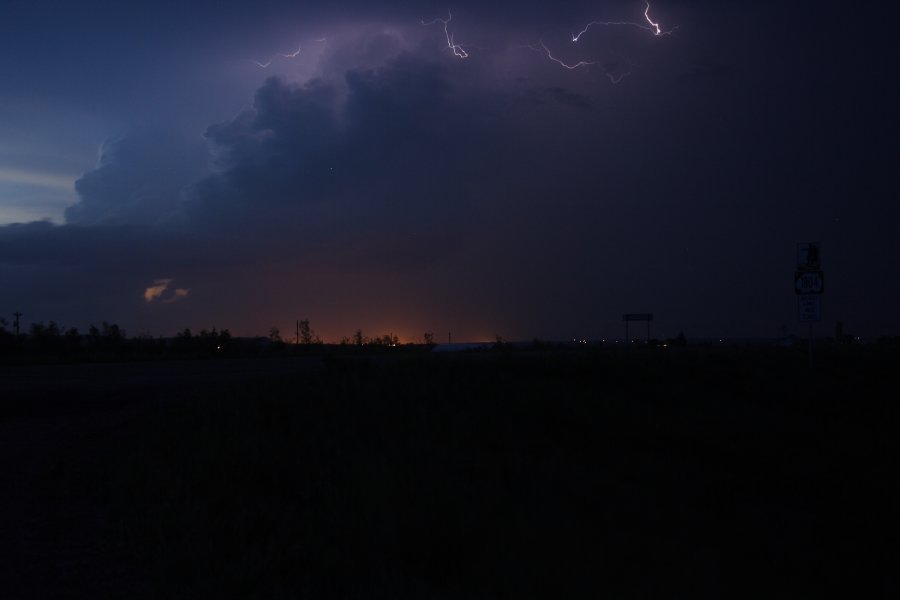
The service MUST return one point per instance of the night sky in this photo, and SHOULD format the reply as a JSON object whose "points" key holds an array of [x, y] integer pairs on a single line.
{"points": [[154, 174]]}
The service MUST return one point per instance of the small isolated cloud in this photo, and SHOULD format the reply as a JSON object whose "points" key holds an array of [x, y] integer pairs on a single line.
{"points": [[179, 294], [158, 291]]}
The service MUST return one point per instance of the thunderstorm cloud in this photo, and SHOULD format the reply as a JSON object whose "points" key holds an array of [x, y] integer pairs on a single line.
{"points": [[376, 180]]}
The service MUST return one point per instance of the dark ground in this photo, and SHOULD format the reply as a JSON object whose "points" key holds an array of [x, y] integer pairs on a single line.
{"points": [[698, 472]]}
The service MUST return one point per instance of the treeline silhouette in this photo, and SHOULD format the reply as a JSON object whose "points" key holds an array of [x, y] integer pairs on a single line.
{"points": [[52, 342], [52, 338]]}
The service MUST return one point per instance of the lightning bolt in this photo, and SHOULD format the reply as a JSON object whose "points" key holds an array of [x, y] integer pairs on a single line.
{"points": [[543, 49], [647, 25], [458, 50], [650, 25], [656, 28], [292, 54], [613, 77], [577, 36], [268, 63]]}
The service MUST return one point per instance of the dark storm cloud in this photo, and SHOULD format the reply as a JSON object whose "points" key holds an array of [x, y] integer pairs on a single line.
{"points": [[502, 193], [138, 181], [302, 172], [574, 99], [393, 149], [393, 167], [73, 274]]}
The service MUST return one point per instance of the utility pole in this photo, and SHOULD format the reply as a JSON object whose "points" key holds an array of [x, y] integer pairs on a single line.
{"points": [[810, 345], [298, 332], [17, 315], [449, 339]]}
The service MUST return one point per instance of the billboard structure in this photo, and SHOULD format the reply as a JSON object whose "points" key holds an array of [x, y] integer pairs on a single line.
{"points": [[809, 285], [629, 317]]}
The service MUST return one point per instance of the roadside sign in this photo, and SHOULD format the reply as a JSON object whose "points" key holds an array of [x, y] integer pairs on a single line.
{"points": [[809, 282], [809, 257], [809, 308], [629, 317], [637, 317]]}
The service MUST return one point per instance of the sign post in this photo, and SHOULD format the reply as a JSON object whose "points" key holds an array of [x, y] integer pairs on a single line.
{"points": [[637, 317], [809, 285]]}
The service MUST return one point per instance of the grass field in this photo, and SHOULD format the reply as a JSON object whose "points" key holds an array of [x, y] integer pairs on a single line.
{"points": [[695, 473]]}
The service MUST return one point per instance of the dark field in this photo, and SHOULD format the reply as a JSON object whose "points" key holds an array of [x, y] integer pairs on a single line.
{"points": [[696, 473]]}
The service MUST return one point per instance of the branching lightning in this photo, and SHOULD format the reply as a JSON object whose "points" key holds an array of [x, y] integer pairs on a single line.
{"points": [[612, 72], [268, 63], [543, 49], [458, 50], [649, 25], [613, 77], [292, 54], [577, 36], [656, 28]]}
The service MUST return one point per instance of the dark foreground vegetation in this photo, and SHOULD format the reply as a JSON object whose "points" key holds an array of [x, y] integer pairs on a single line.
{"points": [[52, 343], [688, 473]]}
